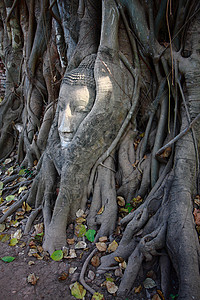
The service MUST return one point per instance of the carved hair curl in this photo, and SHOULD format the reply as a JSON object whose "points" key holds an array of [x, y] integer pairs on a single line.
{"points": [[84, 74]]}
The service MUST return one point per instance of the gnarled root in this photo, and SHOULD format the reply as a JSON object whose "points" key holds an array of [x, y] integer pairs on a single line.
{"points": [[104, 198]]}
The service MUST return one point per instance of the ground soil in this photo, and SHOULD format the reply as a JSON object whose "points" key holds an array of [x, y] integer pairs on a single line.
{"points": [[14, 275]]}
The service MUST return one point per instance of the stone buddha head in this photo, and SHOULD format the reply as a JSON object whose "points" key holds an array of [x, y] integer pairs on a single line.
{"points": [[76, 99]]}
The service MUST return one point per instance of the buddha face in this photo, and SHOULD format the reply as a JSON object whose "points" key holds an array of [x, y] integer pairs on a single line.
{"points": [[75, 102]]}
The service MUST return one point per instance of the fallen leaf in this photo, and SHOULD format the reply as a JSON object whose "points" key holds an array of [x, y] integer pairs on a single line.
{"points": [[101, 210], [91, 275], [97, 296], [90, 235], [138, 289], [70, 241], [119, 259], [79, 213], [103, 239], [72, 254], [80, 220], [121, 201], [32, 252], [111, 287], [4, 237], [65, 251], [95, 261], [14, 223], [2, 227], [13, 242], [57, 255], [80, 230], [78, 291], [39, 228], [21, 172], [81, 245], [32, 279], [8, 259], [17, 234], [113, 246], [72, 270], [118, 272], [101, 246], [22, 188], [196, 214], [149, 283], [31, 262], [161, 294], [7, 161], [63, 276], [122, 265], [40, 249], [10, 197]]}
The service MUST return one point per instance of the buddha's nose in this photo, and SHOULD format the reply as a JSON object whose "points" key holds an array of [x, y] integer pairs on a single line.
{"points": [[66, 125]]}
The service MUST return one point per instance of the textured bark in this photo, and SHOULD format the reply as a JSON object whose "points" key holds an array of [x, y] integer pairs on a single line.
{"points": [[94, 90]]}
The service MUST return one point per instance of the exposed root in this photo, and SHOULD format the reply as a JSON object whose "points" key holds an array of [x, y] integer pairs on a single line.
{"points": [[31, 219], [13, 208], [104, 198], [81, 278]]}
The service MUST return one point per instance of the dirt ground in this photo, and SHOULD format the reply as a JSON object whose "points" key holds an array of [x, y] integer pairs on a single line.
{"points": [[51, 279]]}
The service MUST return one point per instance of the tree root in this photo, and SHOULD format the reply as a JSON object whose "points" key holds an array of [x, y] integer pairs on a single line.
{"points": [[81, 278], [31, 219], [14, 207]]}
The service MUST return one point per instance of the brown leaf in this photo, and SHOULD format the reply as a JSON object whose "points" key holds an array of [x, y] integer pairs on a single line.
{"points": [[138, 289], [119, 259], [63, 276], [113, 246], [70, 241], [101, 210], [111, 287], [95, 261], [196, 214], [32, 278], [39, 228], [121, 201], [103, 239], [101, 246]]}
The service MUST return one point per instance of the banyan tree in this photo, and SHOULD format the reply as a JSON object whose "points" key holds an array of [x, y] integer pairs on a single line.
{"points": [[105, 95]]}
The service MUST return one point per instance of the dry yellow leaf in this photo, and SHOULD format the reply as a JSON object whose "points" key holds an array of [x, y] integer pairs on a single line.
{"points": [[101, 210], [119, 259], [138, 289], [113, 246]]}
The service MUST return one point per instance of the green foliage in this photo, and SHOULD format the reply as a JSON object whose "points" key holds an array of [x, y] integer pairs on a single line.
{"points": [[90, 235], [8, 258], [57, 255]]}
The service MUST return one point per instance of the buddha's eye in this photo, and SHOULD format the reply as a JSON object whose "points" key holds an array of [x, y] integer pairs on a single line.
{"points": [[81, 108]]}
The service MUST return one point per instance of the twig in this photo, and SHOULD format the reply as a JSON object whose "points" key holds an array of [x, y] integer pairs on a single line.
{"points": [[81, 278], [180, 135]]}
